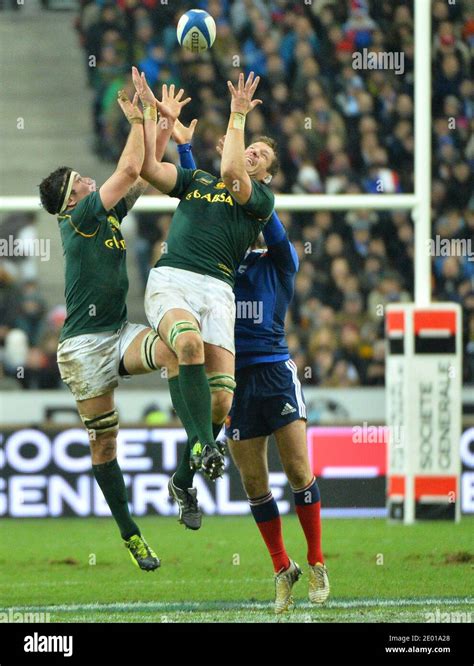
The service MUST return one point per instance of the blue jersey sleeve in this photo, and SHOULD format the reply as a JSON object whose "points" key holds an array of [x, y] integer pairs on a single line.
{"points": [[280, 250], [186, 158], [274, 231]]}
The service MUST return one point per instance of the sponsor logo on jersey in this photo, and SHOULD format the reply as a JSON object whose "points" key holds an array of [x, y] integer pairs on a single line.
{"points": [[206, 179], [220, 185], [112, 243], [287, 409], [211, 198], [114, 223]]}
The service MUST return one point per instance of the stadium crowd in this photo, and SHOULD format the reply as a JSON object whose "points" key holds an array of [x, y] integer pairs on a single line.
{"points": [[29, 331], [339, 130]]}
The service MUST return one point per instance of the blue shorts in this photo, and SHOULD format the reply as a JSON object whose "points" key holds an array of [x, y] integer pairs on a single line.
{"points": [[268, 396]]}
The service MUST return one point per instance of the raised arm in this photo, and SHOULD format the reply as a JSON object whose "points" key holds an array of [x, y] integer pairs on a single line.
{"points": [[233, 170], [162, 176], [131, 160], [280, 250], [182, 135]]}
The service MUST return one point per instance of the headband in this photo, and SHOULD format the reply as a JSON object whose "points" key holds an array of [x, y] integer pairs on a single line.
{"points": [[67, 191]]}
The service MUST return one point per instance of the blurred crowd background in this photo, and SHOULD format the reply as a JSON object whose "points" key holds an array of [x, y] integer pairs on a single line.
{"points": [[339, 130]]}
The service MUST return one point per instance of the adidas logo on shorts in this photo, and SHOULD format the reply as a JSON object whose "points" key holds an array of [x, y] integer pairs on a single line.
{"points": [[287, 409]]}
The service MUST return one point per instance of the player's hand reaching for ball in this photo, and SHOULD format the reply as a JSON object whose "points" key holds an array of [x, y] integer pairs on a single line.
{"points": [[130, 109], [182, 134], [242, 101], [171, 104], [144, 91]]}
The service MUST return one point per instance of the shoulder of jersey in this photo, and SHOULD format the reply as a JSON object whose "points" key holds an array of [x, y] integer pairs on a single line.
{"points": [[203, 177]]}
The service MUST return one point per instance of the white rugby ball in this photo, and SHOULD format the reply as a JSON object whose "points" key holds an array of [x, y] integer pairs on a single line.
{"points": [[196, 30]]}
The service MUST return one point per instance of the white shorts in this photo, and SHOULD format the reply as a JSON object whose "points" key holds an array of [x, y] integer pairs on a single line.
{"points": [[89, 363], [209, 300]]}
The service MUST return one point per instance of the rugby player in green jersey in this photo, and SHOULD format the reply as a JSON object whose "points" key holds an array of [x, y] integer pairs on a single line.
{"points": [[97, 343], [189, 299]]}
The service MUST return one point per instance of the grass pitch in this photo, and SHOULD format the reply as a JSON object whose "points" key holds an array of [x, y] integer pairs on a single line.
{"points": [[78, 571]]}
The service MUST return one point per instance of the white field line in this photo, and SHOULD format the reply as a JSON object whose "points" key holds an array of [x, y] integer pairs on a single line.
{"points": [[162, 581], [318, 616], [244, 605]]}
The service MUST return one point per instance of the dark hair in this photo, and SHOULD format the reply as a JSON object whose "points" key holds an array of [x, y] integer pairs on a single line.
{"points": [[51, 189], [275, 165]]}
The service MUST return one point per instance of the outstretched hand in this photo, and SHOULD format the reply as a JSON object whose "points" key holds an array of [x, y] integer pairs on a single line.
{"points": [[130, 109], [182, 134], [242, 101], [144, 91], [171, 104]]}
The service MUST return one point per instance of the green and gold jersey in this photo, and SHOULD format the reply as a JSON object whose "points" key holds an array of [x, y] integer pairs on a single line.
{"points": [[210, 232], [95, 267]]}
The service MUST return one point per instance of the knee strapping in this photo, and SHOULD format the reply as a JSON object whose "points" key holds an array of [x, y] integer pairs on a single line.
{"points": [[219, 381], [180, 327], [101, 423], [147, 351]]}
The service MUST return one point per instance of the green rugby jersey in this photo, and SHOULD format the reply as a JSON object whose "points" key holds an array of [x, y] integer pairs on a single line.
{"points": [[95, 267], [210, 232]]}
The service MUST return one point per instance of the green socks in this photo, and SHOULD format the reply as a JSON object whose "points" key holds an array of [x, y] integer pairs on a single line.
{"points": [[184, 475], [110, 479], [196, 395], [181, 409]]}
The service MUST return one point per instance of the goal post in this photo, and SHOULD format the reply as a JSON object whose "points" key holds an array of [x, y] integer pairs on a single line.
{"points": [[283, 202]]}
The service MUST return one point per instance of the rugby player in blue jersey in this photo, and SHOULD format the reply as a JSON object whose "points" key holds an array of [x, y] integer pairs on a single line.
{"points": [[269, 400]]}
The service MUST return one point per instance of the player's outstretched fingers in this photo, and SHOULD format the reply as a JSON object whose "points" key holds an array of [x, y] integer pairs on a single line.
{"points": [[137, 79], [248, 83], [254, 85]]}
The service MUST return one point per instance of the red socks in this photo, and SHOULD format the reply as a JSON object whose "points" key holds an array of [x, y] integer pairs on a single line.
{"points": [[266, 514], [308, 508]]}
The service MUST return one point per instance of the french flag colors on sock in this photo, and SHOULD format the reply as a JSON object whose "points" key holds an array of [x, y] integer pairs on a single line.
{"points": [[308, 508], [265, 511]]}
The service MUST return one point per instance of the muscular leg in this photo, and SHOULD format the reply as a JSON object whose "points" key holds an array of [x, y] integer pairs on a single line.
{"points": [[103, 442], [218, 362], [165, 358], [185, 340], [220, 367], [161, 355], [250, 456], [293, 450]]}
